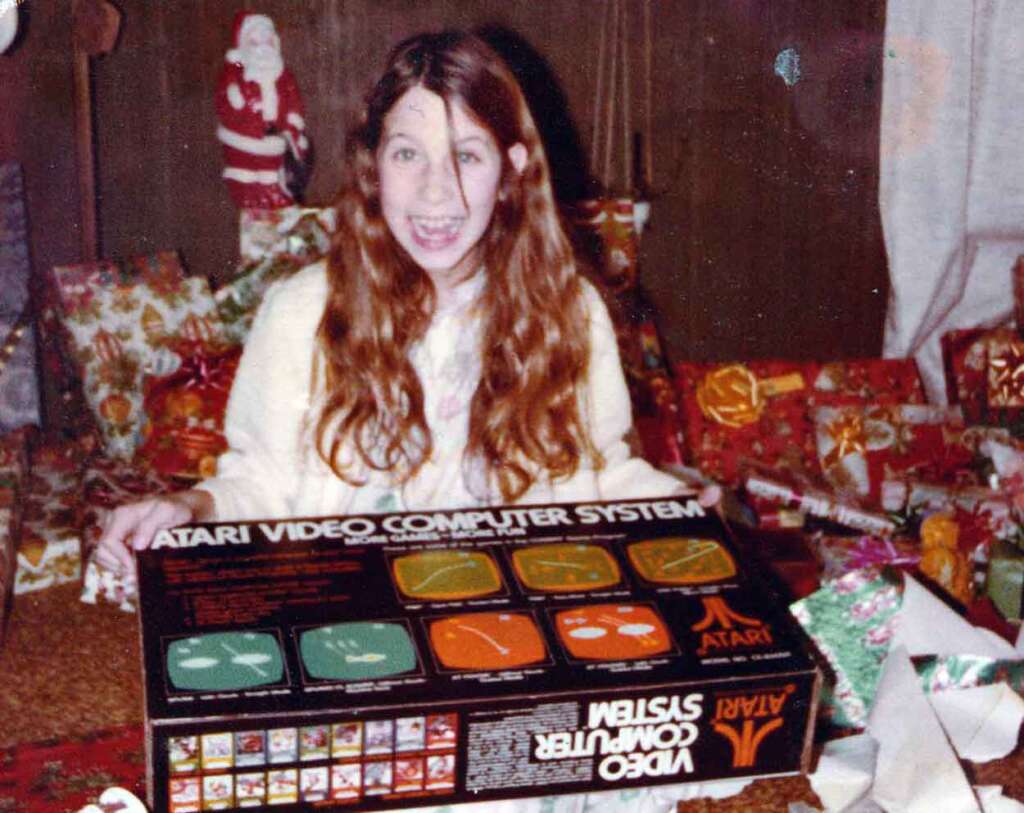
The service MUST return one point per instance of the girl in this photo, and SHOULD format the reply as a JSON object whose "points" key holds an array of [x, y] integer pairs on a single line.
{"points": [[447, 353]]}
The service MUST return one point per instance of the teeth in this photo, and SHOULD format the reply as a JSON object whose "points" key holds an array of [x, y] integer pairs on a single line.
{"points": [[436, 226]]}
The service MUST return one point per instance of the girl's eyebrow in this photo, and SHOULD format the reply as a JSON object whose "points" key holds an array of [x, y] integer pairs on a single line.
{"points": [[390, 136]]}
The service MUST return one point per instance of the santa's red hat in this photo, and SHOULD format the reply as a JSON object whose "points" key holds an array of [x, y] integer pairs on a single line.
{"points": [[242, 22]]}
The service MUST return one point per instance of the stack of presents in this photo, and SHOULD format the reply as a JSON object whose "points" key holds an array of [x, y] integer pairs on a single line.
{"points": [[839, 474], [134, 360]]}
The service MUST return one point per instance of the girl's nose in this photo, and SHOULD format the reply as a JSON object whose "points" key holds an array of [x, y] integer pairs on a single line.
{"points": [[438, 181]]}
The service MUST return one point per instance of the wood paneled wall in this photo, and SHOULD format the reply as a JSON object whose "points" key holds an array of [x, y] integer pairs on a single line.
{"points": [[765, 237]]}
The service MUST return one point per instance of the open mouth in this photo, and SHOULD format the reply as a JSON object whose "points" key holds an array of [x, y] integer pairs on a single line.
{"points": [[435, 232]]}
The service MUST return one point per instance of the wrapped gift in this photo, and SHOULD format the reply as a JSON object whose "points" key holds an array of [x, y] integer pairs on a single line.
{"points": [[264, 233], [983, 376], [106, 484], [274, 245], [760, 410], [767, 490], [860, 447], [184, 435], [840, 555], [984, 513], [652, 394], [611, 223], [120, 323], [1005, 582], [49, 551]]}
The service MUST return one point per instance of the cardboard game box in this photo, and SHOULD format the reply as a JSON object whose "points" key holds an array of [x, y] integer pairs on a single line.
{"points": [[387, 661]]}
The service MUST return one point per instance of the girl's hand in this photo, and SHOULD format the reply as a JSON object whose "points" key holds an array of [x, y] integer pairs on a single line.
{"points": [[133, 526], [709, 496]]}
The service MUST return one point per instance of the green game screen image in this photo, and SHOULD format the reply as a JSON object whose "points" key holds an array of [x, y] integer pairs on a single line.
{"points": [[224, 661], [362, 650]]}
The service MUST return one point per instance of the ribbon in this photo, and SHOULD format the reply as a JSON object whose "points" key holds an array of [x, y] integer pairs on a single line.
{"points": [[730, 396], [869, 551], [847, 435], [1006, 377], [733, 396]]}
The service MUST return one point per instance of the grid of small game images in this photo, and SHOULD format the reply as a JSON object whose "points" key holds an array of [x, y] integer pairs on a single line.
{"points": [[345, 762]]}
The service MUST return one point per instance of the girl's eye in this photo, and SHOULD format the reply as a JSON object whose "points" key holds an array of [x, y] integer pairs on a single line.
{"points": [[468, 157], [405, 154]]}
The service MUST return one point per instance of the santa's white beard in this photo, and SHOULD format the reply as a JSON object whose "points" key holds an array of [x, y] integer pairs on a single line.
{"points": [[264, 65]]}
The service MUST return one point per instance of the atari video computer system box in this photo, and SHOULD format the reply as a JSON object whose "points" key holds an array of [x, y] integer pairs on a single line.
{"points": [[385, 661]]}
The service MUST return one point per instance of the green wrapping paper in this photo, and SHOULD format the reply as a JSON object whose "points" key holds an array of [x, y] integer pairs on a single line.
{"points": [[967, 671], [852, 620]]}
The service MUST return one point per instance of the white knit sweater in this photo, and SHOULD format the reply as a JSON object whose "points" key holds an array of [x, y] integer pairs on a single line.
{"points": [[272, 469]]}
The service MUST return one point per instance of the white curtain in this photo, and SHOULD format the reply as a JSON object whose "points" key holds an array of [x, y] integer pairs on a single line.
{"points": [[952, 170]]}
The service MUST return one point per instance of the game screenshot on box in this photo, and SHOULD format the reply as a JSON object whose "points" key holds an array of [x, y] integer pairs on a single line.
{"points": [[378, 662]]}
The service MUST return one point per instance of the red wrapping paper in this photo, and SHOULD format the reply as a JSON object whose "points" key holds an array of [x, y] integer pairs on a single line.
{"points": [[769, 421], [185, 411]]}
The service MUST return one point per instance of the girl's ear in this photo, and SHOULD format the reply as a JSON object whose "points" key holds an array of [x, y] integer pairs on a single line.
{"points": [[517, 155]]}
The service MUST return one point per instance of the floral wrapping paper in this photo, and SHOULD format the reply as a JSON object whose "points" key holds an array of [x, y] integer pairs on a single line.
{"points": [[19, 379], [761, 410], [851, 620], [966, 671], [274, 244], [265, 232], [183, 434], [49, 551], [120, 323], [106, 484]]}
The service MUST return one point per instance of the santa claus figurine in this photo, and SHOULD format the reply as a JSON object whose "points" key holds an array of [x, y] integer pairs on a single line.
{"points": [[261, 124]]}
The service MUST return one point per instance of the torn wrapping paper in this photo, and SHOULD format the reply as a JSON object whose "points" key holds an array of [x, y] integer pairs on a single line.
{"points": [[917, 769], [857, 619], [981, 723], [851, 620]]}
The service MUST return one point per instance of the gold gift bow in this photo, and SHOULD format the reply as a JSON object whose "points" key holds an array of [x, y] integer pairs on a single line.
{"points": [[733, 396], [847, 433], [1006, 377]]}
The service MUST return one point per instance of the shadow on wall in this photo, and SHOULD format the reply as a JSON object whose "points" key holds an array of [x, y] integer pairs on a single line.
{"points": [[550, 108]]}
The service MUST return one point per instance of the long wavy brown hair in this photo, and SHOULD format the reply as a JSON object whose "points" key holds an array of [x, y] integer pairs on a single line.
{"points": [[525, 415]]}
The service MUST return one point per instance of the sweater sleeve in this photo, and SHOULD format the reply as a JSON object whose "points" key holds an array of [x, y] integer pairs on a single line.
{"points": [[258, 476], [608, 412]]}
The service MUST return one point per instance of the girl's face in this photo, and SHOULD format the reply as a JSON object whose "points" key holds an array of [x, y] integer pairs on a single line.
{"points": [[436, 211]]}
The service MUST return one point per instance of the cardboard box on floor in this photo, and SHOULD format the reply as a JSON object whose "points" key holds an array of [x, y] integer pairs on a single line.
{"points": [[390, 661]]}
